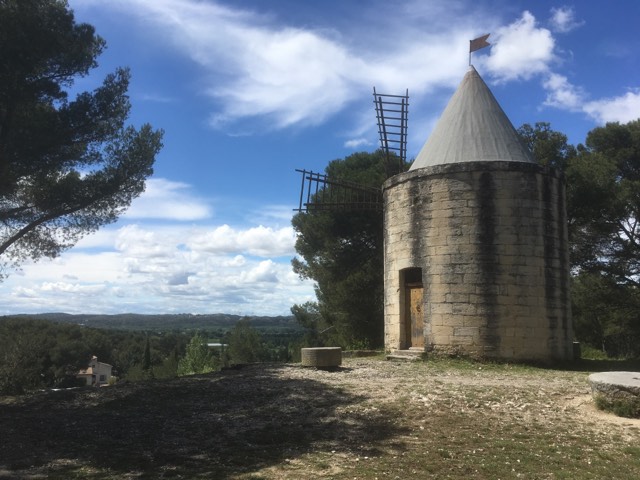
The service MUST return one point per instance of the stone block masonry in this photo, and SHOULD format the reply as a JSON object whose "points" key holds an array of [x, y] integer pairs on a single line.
{"points": [[490, 240]]}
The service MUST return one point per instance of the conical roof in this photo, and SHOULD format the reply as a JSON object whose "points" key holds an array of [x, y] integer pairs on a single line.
{"points": [[473, 128]]}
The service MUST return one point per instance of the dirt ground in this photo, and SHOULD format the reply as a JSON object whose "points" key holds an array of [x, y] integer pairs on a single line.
{"points": [[277, 421]]}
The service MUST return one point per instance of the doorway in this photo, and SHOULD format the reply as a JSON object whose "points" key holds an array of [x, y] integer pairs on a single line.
{"points": [[413, 307]]}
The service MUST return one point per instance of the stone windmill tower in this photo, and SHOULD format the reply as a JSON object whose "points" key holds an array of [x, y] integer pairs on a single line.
{"points": [[476, 253]]}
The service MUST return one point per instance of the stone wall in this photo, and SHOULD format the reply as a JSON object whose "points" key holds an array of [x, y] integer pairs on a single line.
{"points": [[491, 240]]}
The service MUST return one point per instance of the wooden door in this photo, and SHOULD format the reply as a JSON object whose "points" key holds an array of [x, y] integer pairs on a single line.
{"points": [[415, 318]]}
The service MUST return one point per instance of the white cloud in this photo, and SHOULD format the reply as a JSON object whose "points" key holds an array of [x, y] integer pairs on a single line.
{"points": [[563, 19], [521, 50], [295, 62], [265, 271], [259, 241], [94, 268], [257, 68], [23, 292], [166, 199], [562, 94], [623, 109], [103, 238], [237, 261], [136, 242], [356, 143], [73, 288]]}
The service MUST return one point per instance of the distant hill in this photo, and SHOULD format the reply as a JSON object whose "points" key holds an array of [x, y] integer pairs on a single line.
{"points": [[168, 322]]}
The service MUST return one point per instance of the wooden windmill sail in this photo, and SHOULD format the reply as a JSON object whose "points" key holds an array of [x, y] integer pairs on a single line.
{"points": [[318, 192], [392, 112]]}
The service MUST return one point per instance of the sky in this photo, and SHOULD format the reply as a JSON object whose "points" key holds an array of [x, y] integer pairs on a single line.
{"points": [[248, 91]]}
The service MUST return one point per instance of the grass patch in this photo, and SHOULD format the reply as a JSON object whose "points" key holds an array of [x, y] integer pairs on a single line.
{"points": [[587, 352], [628, 406], [465, 364]]}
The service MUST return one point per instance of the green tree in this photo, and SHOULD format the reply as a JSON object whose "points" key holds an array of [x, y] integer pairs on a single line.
{"points": [[604, 203], [21, 358], [146, 370], [548, 147], [342, 251], [245, 344], [146, 359], [309, 317], [39, 354], [603, 190], [169, 366], [67, 166], [197, 359], [603, 210], [606, 314]]}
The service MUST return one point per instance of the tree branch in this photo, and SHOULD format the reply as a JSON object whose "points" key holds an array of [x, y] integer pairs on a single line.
{"points": [[36, 223]]}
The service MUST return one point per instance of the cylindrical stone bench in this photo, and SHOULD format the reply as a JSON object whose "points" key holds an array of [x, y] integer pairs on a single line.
{"points": [[321, 357], [618, 392]]}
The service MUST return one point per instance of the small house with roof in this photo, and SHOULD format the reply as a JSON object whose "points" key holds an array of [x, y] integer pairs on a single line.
{"points": [[97, 374]]}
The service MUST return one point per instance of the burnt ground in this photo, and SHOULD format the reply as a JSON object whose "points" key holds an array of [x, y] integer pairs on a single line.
{"points": [[212, 425], [280, 421]]}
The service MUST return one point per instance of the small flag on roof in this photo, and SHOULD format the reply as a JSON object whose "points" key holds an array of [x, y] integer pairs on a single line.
{"points": [[479, 43]]}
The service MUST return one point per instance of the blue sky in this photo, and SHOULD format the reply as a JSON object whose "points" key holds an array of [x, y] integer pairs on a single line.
{"points": [[248, 91]]}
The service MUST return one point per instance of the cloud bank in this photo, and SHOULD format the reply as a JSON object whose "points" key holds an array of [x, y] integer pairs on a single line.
{"points": [[168, 264], [167, 269]]}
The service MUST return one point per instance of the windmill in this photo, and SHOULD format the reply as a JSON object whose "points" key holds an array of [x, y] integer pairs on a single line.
{"points": [[319, 193]]}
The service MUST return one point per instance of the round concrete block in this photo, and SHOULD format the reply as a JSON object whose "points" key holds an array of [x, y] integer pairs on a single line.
{"points": [[322, 357], [616, 381]]}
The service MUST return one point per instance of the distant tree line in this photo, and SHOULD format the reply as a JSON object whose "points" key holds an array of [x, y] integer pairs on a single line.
{"points": [[220, 322], [37, 354]]}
